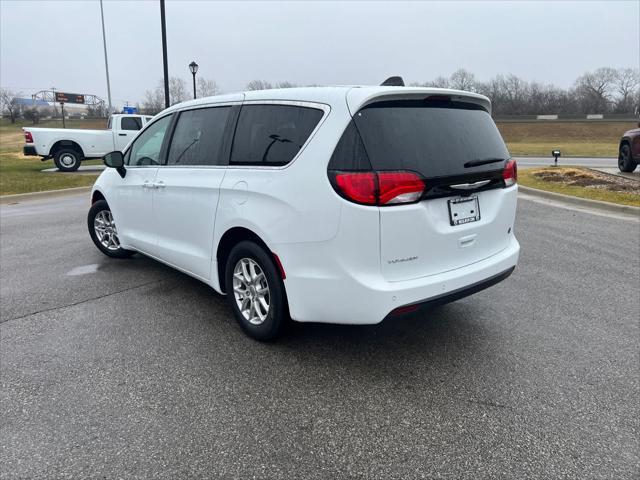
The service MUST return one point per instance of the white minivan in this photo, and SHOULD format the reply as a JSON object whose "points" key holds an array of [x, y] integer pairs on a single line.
{"points": [[324, 204]]}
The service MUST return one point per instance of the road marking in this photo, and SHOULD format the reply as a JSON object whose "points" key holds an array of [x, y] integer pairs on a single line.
{"points": [[567, 206], [84, 270]]}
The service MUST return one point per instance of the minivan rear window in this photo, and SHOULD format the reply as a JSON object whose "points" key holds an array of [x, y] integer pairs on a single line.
{"points": [[272, 134], [432, 138]]}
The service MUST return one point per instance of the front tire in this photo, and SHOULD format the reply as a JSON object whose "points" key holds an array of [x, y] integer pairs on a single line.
{"points": [[625, 159], [67, 159], [103, 232], [255, 291]]}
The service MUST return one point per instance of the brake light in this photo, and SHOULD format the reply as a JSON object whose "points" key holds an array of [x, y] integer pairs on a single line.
{"points": [[28, 137], [358, 187], [510, 173], [379, 188]]}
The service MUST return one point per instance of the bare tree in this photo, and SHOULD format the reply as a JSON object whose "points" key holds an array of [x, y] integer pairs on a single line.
{"points": [[153, 100], [32, 114], [627, 85], [516, 92], [259, 85], [595, 90], [462, 80], [177, 90], [285, 84], [207, 88], [440, 82], [9, 103]]}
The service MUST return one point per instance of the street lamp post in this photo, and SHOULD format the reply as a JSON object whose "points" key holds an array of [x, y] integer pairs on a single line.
{"points": [[193, 66]]}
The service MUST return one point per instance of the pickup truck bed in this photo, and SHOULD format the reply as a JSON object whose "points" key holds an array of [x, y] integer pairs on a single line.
{"points": [[68, 147]]}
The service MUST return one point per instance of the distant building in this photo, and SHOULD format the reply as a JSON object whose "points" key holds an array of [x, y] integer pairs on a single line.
{"points": [[30, 102]]}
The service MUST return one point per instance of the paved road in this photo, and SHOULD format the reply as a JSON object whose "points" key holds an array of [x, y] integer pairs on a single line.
{"points": [[579, 161], [123, 369]]}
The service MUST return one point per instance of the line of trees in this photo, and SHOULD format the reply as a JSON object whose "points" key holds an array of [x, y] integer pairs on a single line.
{"points": [[178, 92], [605, 90]]}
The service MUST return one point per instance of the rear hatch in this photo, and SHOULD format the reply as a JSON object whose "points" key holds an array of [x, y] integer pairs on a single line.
{"points": [[440, 172]]}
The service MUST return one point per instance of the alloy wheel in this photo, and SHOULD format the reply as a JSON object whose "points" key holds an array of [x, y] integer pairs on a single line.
{"points": [[251, 291], [105, 229]]}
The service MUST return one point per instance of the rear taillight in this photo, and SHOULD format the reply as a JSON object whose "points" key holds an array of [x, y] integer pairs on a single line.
{"points": [[379, 188], [28, 137], [510, 173], [358, 187], [399, 187]]}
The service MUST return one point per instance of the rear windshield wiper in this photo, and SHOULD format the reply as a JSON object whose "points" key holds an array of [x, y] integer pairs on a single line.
{"points": [[486, 161]]}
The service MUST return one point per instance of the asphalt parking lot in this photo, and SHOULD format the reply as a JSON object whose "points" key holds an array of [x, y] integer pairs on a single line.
{"points": [[128, 369]]}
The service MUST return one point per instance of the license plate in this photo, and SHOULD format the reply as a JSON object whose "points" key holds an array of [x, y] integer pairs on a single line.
{"points": [[464, 210]]}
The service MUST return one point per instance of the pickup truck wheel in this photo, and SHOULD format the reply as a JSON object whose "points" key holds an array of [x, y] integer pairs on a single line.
{"points": [[625, 160], [67, 160], [255, 291], [103, 232]]}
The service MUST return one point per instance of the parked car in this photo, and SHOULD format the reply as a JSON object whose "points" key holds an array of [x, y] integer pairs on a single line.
{"points": [[629, 150], [68, 147], [336, 204]]}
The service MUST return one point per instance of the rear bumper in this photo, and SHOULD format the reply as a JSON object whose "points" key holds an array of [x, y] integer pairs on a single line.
{"points": [[347, 298], [453, 296], [29, 151]]}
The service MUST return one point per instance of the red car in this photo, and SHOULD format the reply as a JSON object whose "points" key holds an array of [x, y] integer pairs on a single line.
{"points": [[629, 151]]}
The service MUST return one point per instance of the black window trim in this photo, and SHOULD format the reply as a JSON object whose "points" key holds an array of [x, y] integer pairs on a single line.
{"points": [[227, 135], [326, 109], [163, 148]]}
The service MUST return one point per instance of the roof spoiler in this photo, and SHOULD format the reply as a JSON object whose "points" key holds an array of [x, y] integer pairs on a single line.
{"points": [[393, 82]]}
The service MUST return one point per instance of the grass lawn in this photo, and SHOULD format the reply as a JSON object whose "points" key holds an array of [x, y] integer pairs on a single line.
{"points": [[574, 139], [579, 182], [20, 174]]}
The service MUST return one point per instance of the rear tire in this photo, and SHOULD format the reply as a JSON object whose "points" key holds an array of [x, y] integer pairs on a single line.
{"points": [[67, 159], [102, 229], [625, 159], [255, 291]]}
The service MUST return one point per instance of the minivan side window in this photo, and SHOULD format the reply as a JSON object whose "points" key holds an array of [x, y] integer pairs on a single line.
{"points": [[199, 137], [146, 149], [130, 123], [272, 135]]}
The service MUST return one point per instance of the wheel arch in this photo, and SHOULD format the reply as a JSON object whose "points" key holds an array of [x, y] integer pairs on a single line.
{"points": [[229, 239], [60, 144], [96, 196]]}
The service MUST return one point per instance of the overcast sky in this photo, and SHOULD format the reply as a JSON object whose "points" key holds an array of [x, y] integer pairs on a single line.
{"points": [[58, 44]]}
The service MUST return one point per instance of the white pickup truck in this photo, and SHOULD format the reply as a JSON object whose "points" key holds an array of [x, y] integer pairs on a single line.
{"points": [[68, 147]]}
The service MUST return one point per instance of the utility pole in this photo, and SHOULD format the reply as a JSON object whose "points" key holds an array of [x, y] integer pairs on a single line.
{"points": [[55, 110], [106, 63], [163, 26]]}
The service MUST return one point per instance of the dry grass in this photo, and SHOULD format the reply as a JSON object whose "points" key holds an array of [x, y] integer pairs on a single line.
{"points": [[20, 174], [584, 183], [574, 139]]}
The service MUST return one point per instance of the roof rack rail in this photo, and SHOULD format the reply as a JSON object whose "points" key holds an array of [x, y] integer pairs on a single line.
{"points": [[393, 82]]}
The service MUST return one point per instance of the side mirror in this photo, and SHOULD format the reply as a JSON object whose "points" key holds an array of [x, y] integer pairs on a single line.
{"points": [[115, 160]]}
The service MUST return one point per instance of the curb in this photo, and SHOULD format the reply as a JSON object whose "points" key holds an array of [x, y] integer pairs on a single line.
{"points": [[582, 202], [19, 197]]}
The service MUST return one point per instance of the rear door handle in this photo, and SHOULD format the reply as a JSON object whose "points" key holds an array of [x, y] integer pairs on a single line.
{"points": [[159, 184], [122, 134]]}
